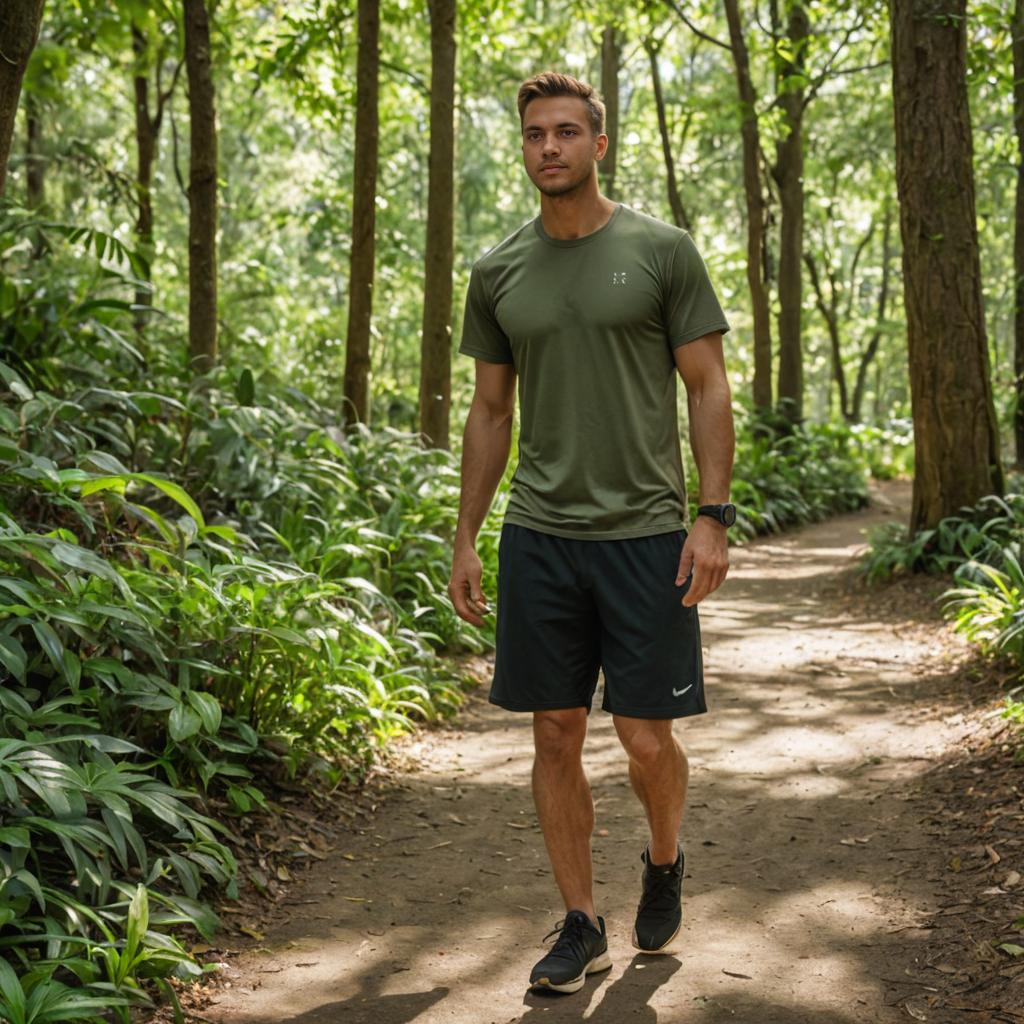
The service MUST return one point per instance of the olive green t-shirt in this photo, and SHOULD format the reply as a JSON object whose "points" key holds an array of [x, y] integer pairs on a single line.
{"points": [[590, 324]]}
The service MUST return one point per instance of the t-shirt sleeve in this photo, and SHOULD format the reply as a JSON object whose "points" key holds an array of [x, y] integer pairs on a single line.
{"points": [[482, 336], [691, 305]]}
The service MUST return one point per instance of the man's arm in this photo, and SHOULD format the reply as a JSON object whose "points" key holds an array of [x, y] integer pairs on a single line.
{"points": [[485, 447], [701, 364]]}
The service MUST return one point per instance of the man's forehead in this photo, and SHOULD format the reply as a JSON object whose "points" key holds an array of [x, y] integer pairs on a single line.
{"points": [[556, 111]]}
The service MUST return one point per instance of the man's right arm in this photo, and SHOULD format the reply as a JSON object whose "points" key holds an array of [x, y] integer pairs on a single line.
{"points": [[485, 447]]}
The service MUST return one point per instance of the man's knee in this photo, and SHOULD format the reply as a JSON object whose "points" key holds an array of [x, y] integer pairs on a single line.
{"points": [[558, 735], [647, 743]]}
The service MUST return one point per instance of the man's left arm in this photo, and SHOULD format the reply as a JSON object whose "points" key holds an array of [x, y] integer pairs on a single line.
{"points": [[701, 364]]}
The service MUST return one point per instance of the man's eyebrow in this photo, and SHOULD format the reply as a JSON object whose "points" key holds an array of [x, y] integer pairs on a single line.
{"points": [[561, 124]]}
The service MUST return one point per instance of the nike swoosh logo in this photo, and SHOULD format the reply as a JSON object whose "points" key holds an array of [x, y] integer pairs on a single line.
{"points": [[679, 693]]}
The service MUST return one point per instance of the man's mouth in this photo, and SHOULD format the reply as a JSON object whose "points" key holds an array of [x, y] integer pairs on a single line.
{"points": [[548, 168]]}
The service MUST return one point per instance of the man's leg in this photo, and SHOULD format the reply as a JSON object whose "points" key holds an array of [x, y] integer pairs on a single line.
{"points": [[565, 806], [659, 772]]}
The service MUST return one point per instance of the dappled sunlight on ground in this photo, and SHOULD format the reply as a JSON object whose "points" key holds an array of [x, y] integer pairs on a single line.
{"points": [[806, 864]]}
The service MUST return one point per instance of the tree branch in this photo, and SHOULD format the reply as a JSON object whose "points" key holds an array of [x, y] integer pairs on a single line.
{"points": [[674, 5]]}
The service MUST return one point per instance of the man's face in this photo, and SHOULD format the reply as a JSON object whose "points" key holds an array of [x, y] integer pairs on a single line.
{"points": [[559, 145]]}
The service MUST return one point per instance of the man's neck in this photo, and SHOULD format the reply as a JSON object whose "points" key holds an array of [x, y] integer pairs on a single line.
{"points": [[577, 214]]}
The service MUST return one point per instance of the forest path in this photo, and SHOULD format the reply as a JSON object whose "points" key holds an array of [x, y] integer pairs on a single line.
{"points": [[807, 859]]}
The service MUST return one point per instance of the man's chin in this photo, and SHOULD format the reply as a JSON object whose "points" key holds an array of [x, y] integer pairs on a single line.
{"points": [[560, 189]]}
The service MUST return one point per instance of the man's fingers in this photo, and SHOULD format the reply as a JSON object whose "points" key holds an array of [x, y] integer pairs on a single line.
{"points": [[685, 567], [468, 604], [706, 580]]}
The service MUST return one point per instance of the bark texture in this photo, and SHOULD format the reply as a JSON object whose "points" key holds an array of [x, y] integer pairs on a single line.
{"points": [[788, 172], [1018, 232], [35, 162], [202, 190], [756, 211], [19, 29], [956, 441], [675, 200], [364, 196], [436, 346], [611, 59], [871, 351]]}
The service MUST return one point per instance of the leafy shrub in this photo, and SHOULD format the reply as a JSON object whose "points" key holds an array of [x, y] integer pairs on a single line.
{"points": [[788, 475], [984, 533]]}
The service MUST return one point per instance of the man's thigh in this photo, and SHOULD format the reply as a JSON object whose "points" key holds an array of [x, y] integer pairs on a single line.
{"points": [[650, 642], [548, 634]]}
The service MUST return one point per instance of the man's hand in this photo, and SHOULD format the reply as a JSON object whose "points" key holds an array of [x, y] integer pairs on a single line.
{"points": [[706, 555], [464, 587]]}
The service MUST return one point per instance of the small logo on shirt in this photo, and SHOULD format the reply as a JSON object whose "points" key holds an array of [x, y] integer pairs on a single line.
{"points": [[618, 277], [679, 693]]}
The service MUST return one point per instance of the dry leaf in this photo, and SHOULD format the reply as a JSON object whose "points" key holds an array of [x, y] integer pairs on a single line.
{"points": [[515, 824], [736, 974], [252, 933], [915, 1012], [437, 846], [992, 855], [1012, 879], [283, 874]]}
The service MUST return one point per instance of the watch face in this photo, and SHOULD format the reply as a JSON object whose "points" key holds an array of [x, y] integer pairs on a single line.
{"points": [[729, 514]]}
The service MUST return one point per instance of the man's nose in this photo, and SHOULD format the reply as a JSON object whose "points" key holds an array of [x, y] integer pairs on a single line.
{"points": [[550, 146]]}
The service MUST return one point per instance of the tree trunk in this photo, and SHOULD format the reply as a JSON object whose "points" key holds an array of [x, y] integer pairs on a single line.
{"points": [[675, 201], [364, 197], [788, 172], [871, 351], [145, 147], [956, 442], [756, 212], [35, 165], [829, 309], [19, 29], [436, 352], [611, 59], [1018, 232], [202, 191]]}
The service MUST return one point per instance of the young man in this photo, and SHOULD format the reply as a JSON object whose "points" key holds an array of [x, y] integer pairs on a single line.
{"points": [[595, 308]]}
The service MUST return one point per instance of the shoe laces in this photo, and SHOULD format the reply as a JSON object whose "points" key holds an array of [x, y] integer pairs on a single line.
{"points": [[570, 941], [659, 888]]}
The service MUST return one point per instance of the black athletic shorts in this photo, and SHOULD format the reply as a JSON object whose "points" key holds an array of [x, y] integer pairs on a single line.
{"points": [[568, 608]]}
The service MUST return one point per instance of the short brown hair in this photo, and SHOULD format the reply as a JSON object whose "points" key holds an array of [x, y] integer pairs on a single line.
{"points": [[553, 83]]}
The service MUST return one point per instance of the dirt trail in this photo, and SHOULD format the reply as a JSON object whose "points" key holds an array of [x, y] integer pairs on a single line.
{"points": [[807, 858]]}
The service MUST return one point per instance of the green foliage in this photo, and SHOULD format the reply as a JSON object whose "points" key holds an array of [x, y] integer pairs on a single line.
{"points": [[983, 534], [786, 475]]}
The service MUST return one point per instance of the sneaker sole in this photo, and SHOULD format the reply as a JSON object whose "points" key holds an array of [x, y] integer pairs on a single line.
{"points": [[601, 962], [671, 946]]}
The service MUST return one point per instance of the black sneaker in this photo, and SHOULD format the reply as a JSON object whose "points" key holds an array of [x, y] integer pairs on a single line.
{"points": [[579, 950], [660, 913]]}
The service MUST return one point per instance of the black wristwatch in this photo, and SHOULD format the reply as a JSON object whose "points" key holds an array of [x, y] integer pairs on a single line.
{"points": [[725, 514]]}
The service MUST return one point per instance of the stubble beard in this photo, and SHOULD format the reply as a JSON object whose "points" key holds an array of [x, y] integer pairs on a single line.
{"points": [[562, 188]]}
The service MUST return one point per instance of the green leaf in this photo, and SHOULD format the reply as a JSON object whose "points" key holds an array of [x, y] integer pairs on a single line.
{"points": [[1012, 948], [175, 493], [12, 993], [13, 657], [208, 708], [50, 643], [138, 923], [183, 723]]}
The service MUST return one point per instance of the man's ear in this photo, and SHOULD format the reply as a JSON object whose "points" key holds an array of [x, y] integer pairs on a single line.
{"points": [[602, 146]]}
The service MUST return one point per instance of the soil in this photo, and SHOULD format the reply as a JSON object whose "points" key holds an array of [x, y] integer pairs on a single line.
{"points": [[852, 837]]}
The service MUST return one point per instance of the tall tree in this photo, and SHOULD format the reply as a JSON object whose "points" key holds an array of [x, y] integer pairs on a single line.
{"points": [[202, 190], [436, 346], [364, 198], [147, 138], [757, 272], [675, 200], [19, 29], [956, 442], [1018, 231], [35, 166], [611, 61], [788, 172]]}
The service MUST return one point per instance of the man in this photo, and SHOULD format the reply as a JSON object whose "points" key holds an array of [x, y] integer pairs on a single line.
{"points": [[595, 308]]}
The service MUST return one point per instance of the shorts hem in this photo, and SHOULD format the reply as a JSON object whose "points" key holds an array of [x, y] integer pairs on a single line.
{"points": [[560, 705], [659, 713]]}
